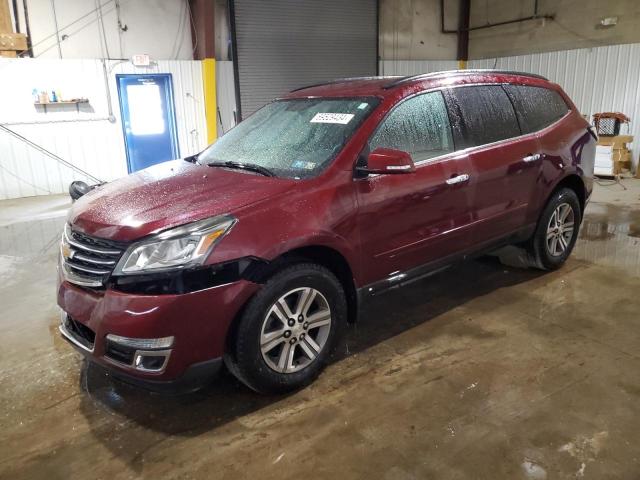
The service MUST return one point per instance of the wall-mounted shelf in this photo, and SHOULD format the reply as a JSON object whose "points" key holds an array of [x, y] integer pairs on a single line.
{"points": [[65, 102]]}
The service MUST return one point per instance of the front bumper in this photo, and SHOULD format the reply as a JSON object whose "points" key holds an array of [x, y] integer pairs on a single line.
{"points": [[197, 321]]}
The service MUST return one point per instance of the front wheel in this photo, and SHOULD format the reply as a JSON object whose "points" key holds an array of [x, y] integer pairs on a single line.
{"points": [[557, 230], [288, 329]]}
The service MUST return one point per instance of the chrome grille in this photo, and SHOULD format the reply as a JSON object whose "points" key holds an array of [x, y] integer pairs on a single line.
{"points": [[88, 260]]}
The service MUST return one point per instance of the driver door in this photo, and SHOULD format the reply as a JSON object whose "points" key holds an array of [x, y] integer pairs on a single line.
{"points": [[411, 219]]}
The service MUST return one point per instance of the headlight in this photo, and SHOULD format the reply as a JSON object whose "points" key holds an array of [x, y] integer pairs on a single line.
{"points": [[177, 248]]}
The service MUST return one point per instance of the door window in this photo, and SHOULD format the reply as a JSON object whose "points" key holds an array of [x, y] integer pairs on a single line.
{"points": [[145, 109], [419, 126], [481, 115], [536, 107]]}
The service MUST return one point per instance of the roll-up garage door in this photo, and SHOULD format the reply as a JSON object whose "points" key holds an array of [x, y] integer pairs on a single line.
{"points": [[285, 44]]}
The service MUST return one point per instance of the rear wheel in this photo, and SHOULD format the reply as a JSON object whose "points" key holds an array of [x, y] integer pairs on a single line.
{"points": [[557, 230], [288, 330]]}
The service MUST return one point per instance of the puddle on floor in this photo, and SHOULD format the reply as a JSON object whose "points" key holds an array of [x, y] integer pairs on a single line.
{"points": [[610, 236]]}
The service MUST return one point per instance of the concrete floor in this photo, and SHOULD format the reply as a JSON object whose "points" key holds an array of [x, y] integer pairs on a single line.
{"points": [[483, 371]]}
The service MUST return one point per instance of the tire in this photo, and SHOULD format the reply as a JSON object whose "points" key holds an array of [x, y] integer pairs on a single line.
{"points": [[543, 252], [271, 356]]}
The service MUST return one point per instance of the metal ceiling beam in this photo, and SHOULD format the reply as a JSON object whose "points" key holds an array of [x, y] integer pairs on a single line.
{"points": [[202, 19], [463, 30]]}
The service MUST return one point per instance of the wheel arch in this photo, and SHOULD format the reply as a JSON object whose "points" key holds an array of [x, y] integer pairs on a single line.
{"points": [[328, 257], [575, 183]]}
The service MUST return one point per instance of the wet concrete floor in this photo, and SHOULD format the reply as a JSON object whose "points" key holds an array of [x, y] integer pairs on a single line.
{"points": [[483, 371]]}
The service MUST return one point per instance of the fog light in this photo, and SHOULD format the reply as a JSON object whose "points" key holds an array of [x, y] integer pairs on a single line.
{"points": [[151, 361], [142, 343]]}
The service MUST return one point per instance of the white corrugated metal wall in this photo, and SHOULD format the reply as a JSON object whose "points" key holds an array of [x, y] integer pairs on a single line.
{"points": [[597, 79], [600, 79], [86, 138]]}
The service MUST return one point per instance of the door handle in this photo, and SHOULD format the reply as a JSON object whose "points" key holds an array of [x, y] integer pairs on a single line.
{"points": [[459, 179], [532, 158]]}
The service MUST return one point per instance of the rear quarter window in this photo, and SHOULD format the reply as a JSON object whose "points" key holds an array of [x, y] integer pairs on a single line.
{"points": [[536, 107], [480, 115]]}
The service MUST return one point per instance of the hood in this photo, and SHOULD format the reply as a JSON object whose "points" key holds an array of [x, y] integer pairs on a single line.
{"points": [[167, 195]]}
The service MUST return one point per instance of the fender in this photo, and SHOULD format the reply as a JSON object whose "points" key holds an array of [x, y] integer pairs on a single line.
{"points": [[318, 239]]}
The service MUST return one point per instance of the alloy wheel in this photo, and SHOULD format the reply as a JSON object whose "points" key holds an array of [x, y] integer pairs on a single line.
{"points": [[560, 229], [295, 330]]}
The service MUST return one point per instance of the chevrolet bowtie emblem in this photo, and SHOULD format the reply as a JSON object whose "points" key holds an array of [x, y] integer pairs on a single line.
{"points": [[66, 251]]}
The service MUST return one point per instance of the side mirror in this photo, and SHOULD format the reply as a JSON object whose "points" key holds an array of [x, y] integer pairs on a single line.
{"points": [[78, 188], [388, 161]]}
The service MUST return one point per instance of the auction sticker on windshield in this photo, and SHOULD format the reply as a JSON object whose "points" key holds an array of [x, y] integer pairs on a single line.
{"points": [[342, 118]]}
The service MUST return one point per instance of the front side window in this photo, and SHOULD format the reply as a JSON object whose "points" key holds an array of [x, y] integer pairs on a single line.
{"points": [[537, 107], [419, 126], [481, 115], [292, 138]]}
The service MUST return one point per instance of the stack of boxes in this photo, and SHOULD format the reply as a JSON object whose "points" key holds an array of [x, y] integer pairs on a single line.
{"points": [[612, 155]]}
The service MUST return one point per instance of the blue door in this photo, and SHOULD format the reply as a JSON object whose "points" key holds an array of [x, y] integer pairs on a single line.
{"points": [[148, 119]]}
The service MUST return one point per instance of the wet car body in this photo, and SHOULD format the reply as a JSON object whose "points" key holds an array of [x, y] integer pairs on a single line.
{"points": [[373, 232]]}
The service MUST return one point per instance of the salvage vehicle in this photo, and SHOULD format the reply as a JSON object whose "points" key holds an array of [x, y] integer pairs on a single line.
{"points": [[257, 252]]}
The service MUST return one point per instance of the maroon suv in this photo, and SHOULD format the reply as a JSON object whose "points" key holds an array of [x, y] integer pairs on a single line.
{"points": [[257, 251]]}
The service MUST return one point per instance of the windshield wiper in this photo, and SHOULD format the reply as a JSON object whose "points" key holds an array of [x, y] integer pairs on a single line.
{"points": [[244, 166]]}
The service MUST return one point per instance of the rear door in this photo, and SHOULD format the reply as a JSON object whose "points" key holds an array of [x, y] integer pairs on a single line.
{"points": [[407, 220], [504, 163], [539, 112]]}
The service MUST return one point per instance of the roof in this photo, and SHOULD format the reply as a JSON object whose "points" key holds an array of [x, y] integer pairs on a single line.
{"points": [[383, 86], [354, 87]]}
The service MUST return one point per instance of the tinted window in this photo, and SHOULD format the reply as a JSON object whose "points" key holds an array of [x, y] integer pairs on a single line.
{"points": [[536, 107], [419, 126], [481, 115]]}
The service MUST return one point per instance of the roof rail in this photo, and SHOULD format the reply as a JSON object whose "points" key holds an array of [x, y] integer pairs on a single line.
{"points": [[341, 80], [471, 71]]}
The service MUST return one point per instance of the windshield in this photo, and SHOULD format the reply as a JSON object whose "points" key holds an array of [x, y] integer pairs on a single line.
{"points": [[291, 138]]}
